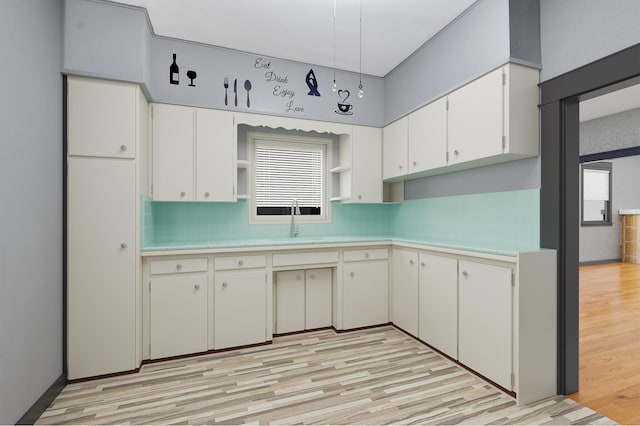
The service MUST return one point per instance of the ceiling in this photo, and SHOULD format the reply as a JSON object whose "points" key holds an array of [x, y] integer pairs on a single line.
{"points": [[302, 30], [611, 103]]}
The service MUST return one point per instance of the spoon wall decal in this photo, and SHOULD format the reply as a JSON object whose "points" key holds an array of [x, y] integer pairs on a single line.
{"points": [[247, 87]]}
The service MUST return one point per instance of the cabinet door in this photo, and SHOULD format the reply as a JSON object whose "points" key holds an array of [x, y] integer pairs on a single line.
{"points": [[428, 137], [173, 153], [240, 308], [475, 120], [102, 117], [404, 290], [178, 322], [366, 165], [438, 312], [318, 298], [365, 294], [290, 299], [101, 266], [394, 149], [485, 327], [216, 172]]}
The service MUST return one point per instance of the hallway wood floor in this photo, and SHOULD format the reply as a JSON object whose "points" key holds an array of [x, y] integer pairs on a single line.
{"points": [[610, 341], [375, 376]]}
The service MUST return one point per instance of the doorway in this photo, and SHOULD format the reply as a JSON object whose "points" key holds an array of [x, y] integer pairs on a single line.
{"points": [[559, 216]]}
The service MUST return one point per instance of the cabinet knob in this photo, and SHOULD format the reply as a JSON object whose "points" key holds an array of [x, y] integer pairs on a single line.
{"points": [[423, 264], [399, 166], [240, 262], [224, 284], [366, 255], [206, 194], [411, 262], [415, 163], [465, 273], [179, 266], [182, 194], [298, 277], [456, 152], [359, 197], [123, 147], [313, 276], [123, 245], [197, 286], [352, 274]]}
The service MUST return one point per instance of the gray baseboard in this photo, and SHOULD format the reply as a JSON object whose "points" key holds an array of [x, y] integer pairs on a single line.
{"points": [[36, 410], [599, 262]]}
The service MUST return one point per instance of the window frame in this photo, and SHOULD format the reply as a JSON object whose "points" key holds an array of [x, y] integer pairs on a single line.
{"points": [[602, 165], [284, 140]]}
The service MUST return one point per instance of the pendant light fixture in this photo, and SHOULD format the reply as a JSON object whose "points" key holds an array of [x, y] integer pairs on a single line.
{"points": [[360, 91], [334, 86]]}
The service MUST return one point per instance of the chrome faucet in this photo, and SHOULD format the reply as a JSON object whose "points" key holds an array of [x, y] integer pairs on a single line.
{"points": [[295, 209]]}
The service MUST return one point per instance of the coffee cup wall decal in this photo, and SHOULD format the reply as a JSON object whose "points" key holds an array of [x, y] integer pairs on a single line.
{"points": [[344, 107]]}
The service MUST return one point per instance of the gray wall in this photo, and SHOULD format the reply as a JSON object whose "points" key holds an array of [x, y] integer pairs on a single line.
{"points": [[613, 132], [576, 32], [600, 243], [115, 41], [30, 203], [106, 40]]}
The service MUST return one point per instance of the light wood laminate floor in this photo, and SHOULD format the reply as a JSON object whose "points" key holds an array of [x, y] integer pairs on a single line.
{"points": [[375, 376], [610, 341]]}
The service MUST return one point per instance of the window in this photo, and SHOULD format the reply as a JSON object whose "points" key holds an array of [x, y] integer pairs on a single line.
{"points": [[285, 169], [596, 194]]}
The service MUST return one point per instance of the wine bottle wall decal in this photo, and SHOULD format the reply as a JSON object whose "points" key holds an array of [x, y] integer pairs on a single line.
{"points": [[174, 72]]}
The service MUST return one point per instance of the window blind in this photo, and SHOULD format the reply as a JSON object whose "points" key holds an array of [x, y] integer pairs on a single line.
{"points": [[596, 184], [286, 173]]}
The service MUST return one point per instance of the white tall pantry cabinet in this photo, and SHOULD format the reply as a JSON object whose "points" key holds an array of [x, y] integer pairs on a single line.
{"points": [[106, 132]]}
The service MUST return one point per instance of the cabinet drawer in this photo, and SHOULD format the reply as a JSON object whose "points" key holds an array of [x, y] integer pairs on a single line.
{"points": [[240, 262], [176, 266], [359, 255], [311, 258]]}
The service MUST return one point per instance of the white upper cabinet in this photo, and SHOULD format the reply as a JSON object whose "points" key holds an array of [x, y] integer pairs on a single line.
{"points": [[173, 153], [102, 118], [495, 118], [361, 182], [194, 154], [394, 152], [491, 120], [428, 137], [215, 156]]}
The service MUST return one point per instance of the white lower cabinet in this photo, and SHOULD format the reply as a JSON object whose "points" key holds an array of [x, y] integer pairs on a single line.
{"points": [[365, 289], [240, 303], [438, 301], [178, 315], [303, 300], [404, 290], [290, 298], [485, 320]]}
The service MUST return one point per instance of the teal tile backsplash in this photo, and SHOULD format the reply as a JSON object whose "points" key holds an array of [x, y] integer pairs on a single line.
{"points": [[180, 222], [493, 220]]}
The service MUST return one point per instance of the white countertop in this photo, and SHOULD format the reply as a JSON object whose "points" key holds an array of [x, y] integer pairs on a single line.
{"points": [[628, 211], [268, 244]]}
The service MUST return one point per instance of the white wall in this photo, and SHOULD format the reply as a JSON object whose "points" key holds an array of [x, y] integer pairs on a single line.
{"points": [[576, 32], [30, 203]]}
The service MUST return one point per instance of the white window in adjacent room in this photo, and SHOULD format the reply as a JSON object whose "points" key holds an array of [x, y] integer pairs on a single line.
{"points": [[284, 169], [596, 194]]}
